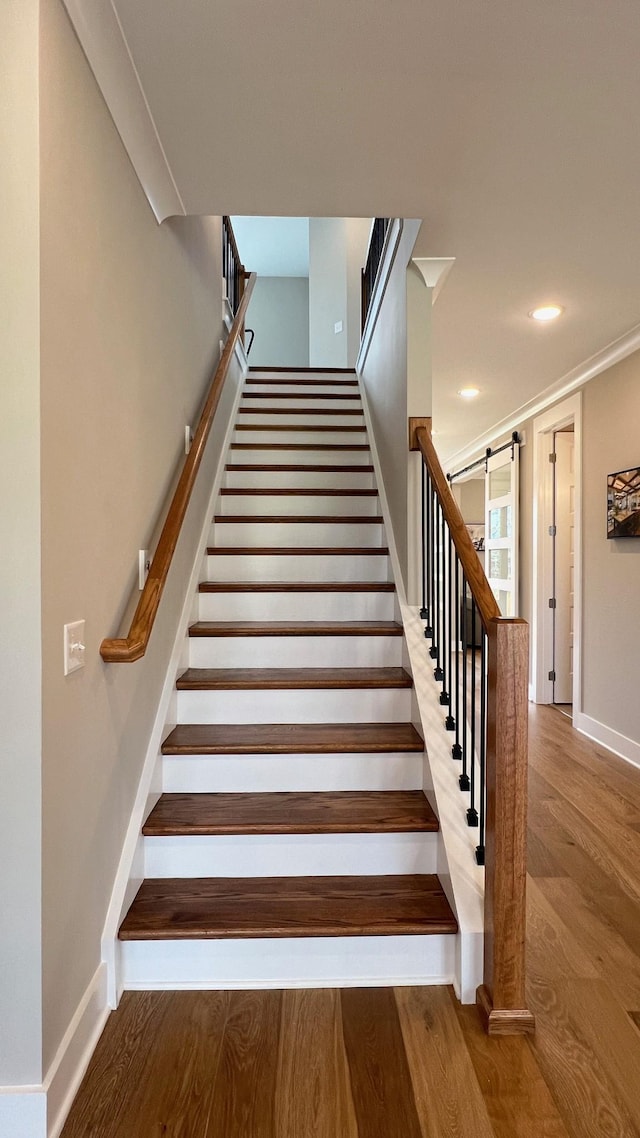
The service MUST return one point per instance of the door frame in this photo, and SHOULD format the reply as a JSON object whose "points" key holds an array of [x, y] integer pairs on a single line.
{"points": [[541, 687]]}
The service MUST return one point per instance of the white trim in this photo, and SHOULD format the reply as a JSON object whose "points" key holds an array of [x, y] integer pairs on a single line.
{"points": [[542, 571], [102, 37], [577, 377], [74, 1053], [130, 871], [434, 272], [40, 1111], [392, 241], [613, 740]]}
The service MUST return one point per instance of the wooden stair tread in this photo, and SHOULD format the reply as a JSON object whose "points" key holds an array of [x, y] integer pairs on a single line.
{"points": [[291, 679], [272, 368], [297, 587], [301, 446], [311, 812], [291, 468], [203, 908], [300, 411], [308, 491], [314, 427], [252, 379], [291, 738], [221, 628], [306, 519], [302, 550], [307, 395]]}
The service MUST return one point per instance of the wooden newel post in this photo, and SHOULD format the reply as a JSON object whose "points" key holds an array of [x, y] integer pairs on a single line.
{"points": [[501, 998]]}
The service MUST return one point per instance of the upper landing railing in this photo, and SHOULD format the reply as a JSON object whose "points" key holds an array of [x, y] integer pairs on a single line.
{"points": [[377, 241], [126, 649], [481, 661]]}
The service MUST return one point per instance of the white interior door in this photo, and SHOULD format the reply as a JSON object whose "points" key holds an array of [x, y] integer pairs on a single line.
{"points": [[501, 529], [563, 566]]}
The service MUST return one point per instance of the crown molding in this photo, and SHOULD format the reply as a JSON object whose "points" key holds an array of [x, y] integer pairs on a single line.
{"points": [[601, 361], [102, 38]]}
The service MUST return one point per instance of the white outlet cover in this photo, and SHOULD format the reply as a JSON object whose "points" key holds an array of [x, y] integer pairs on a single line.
{"points": [[144, 564], [74, 647], [337, 327]]}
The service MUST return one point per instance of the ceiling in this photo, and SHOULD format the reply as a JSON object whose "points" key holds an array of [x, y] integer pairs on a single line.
{"points": [[273, 246], [511, 128]]}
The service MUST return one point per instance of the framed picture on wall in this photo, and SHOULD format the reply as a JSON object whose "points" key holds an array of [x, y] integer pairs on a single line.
{"points": [[623, 503]]}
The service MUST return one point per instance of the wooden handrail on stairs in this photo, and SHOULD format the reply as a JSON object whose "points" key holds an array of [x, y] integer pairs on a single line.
{"points": [[127, 649], [502, 716]]}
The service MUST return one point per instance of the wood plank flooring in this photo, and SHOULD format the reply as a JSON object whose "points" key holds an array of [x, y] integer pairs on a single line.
{"points": [[410, 1062]]}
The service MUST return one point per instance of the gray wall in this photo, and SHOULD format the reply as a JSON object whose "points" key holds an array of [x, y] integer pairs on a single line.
{"points": [[91, 434], [20, 660], [384, 375], [279, 315]]}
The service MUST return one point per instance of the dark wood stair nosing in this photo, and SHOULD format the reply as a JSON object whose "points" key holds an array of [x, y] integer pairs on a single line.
{"points": [[294, 679], [297, 587], [298, 468], [302, 519], [298, 491], [243, 908], [291, 812], [292, 738], [255, 628], [301, 550]]}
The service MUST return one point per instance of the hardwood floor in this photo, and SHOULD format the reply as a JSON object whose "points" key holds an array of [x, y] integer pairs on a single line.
{"points": [[410, 1062]]}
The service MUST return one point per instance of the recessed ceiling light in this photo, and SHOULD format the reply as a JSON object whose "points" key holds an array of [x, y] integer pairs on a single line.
{"points": [[469, 392], [547, 312]]}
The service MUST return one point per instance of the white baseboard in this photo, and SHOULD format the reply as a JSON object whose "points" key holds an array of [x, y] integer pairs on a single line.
{"points": [[23, 1112], [625, 748], [41, 1111], [73, 1055]]}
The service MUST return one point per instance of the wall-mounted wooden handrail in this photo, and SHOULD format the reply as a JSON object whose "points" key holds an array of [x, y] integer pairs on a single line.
{"points": [[420, 439], [126, 649]]}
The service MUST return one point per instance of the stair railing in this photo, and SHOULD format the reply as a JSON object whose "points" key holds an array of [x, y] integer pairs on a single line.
{"points": [[481, 661], [377, 241], [127, 649], [233, 271]]}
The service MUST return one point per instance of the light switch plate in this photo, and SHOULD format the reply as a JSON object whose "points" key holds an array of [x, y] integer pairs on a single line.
{"points": [[144, 565], [337, 327], [74, 646]]}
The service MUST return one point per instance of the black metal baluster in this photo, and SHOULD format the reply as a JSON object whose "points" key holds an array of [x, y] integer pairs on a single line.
{"points": [[424, 612], [433, 650], [472, 813], [437, 673], [430, 590], [483, 747], [449, 722], [446, 620], [464, 777], [456, 750]]}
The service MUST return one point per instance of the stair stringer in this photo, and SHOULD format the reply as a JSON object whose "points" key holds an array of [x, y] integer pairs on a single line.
{"points": [[462, 879], [131, 867]]}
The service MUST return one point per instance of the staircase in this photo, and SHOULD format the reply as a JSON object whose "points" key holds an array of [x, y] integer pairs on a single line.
{"points": [[293, 843]]}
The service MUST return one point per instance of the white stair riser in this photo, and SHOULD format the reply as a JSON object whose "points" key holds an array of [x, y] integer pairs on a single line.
{"points": [[275, 567], [317, 419], [288, 962], [293, 534], [341, 387], [314, 504], [303, 402], [316, 479], [258, 774], [295, 651], [307, 437], [300, 456], [284, 855], [296, 606], [280, 375], [342, 705]]}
